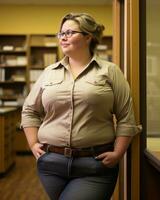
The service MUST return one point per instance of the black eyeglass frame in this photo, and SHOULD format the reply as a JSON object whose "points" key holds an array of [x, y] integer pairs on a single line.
{"points": [[69, 32]]}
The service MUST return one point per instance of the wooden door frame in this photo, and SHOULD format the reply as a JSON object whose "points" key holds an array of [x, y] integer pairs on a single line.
{"points": [[131, 60]]}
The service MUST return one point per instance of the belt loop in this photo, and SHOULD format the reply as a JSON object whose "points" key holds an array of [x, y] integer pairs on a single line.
{"points": [[93, 152], [47, 149]]}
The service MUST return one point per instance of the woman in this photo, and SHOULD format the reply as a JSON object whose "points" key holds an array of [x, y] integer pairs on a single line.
{"points": [[68, 117]]}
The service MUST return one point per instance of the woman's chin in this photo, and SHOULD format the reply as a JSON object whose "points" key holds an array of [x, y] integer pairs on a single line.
{"points": [[67, 52]]}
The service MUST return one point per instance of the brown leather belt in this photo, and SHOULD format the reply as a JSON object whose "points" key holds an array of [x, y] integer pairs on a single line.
{"points": [[78, 152]]}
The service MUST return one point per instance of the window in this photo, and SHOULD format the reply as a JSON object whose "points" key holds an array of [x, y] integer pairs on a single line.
{"points": [[152, 78]]}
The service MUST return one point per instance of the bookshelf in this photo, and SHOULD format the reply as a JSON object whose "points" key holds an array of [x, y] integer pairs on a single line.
{"points": [[43, 52], [13, 68], [22, 59], [104, 49]]}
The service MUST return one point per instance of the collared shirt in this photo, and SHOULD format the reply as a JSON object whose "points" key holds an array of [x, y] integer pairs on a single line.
{"points": [[79, 112]]}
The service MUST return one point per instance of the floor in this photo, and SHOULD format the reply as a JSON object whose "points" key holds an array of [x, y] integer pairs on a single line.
{"points": [[21, 182]]}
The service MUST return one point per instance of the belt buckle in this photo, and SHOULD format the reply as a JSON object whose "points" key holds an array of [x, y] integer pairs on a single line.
{"points": [[68, 152]]}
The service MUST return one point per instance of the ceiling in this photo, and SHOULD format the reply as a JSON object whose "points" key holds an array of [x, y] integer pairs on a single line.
{"points": [[56, 2]]}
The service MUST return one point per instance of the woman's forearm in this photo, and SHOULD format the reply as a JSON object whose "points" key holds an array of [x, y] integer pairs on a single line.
{"points": [[121, 145], [31, 135], [32, 138]]}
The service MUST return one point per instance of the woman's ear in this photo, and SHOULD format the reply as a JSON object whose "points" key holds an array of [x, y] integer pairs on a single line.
{"points": [[88, 38]]}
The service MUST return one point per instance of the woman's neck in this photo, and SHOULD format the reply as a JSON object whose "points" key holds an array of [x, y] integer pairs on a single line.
{"points": [[78, 64], [79, 61]]}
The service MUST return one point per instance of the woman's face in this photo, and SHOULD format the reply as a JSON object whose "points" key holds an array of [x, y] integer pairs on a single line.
{"points": [[77, 42]]}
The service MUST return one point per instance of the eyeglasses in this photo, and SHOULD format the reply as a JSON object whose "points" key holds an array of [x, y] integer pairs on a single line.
{"points": [[68, 33]]}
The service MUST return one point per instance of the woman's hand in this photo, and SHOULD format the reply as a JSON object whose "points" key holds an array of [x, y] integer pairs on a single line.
{"points": [[37, 150], [109, 159]]}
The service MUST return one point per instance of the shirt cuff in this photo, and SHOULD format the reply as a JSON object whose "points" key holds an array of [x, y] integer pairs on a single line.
{"points": [[128, 130]]}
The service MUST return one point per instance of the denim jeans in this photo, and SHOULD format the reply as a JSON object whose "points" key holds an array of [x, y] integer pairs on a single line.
{"points": [[82, 178]]}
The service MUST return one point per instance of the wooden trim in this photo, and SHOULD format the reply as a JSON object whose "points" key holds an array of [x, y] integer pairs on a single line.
{"points": [[116, 31], [127, 40], [118, 49], [131, 70], [143, 164], [127, 75], [151, 157], [116, 59], [133, 9]]}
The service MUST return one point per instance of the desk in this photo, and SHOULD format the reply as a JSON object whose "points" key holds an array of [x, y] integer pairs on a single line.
{"points": [[8, 122]]}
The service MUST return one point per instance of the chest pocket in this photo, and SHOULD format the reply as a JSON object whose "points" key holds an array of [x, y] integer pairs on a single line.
{"points": [[97, 90], [52, 88], [101, 81], [53, 77]]}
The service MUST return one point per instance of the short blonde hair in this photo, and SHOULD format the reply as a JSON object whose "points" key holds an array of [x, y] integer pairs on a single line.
{"points": [[88, 25]]}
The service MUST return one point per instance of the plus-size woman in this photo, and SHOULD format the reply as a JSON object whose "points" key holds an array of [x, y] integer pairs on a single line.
{"points": [[68, 117]]}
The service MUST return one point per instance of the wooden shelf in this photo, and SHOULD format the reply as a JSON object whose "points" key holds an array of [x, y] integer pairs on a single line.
{"points": [[12, 82], [13, 52], [44, 46], [104, 49], [43, 50], [12, 66], [19, 55], [9, 97]]}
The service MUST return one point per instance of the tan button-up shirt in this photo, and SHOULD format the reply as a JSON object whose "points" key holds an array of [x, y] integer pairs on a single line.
{"points": [[79, 112]]}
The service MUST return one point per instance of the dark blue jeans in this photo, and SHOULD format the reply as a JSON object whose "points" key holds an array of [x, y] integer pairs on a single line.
{"points": [[83, 178]]}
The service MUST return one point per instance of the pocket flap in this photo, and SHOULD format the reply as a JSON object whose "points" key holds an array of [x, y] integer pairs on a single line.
{"points": [[54, 77], [96, 80]]}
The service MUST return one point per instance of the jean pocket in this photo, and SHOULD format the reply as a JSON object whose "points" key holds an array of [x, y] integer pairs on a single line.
{"points": [[41, 157], [103, 169]]}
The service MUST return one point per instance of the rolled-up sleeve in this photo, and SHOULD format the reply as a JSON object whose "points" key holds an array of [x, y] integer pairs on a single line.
{"points": [[123, 104]]}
